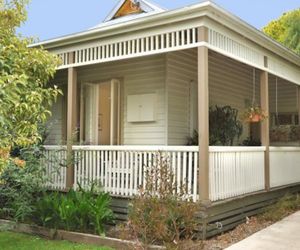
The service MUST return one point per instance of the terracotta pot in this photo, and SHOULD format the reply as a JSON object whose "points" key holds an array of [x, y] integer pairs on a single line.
{"points": [[255, 118]]}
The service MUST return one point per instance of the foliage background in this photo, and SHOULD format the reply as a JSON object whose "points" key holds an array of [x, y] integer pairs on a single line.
{"points": [[286, 30], [25, 94]]}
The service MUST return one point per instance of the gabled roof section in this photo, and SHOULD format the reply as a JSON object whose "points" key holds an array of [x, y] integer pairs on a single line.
{"points": [[134, 8]]}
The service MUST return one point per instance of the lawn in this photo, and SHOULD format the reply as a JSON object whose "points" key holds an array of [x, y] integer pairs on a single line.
{"points": [[15, 241]]}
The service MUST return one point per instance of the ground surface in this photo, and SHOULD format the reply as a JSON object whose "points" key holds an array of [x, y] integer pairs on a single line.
{"points": [[241, 232], [14, 241], [279, 236]]}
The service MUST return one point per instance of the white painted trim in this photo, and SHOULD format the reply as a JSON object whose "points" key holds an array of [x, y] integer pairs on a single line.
{"points": [[284, 149], [156, 52], [236, 149], [127, 148], [114, 11], [167, 148]]}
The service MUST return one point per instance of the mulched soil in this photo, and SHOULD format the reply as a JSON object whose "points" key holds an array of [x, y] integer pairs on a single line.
{"points": [[251, 226], [220, 242], [241, 232]]}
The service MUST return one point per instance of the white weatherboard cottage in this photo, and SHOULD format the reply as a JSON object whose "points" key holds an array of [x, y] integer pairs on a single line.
{"points": [[143, 80]]}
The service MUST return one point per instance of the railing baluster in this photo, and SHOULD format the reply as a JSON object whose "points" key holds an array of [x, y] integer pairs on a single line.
{"points": [[132, 173], [195, 176], [136, 166], [190, 162]]}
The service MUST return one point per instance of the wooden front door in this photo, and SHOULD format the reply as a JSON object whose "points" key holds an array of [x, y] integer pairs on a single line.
{"points": [[104, 121], [99, 123]]}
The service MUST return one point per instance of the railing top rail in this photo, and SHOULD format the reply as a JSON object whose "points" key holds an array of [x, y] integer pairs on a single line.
{"points": [[142, 148], [285, 149], [215, 149], [54, 147], [129, 148]]}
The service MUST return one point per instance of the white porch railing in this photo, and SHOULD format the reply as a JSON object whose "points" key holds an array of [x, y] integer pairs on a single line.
{"points": [[55, 160], [121, 169], [284, 166], [235, 171]]}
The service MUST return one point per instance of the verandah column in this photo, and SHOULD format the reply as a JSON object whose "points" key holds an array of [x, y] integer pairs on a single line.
{"points": [[203, 116], [265, 125], [71, 120]]}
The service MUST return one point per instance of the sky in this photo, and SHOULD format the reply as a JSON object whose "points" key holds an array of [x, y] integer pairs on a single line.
{"points": [[54, 18]]}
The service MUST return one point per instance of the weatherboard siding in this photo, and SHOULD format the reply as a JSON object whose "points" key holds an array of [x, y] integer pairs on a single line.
{"points": [[170, 77], [287, 98], [138, 76], [181, 74], [231, 83], [56, 122]]}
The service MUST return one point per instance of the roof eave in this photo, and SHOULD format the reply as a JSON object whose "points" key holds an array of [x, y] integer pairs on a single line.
{"points": [[256, 35], [207, 8], [153, 20]]}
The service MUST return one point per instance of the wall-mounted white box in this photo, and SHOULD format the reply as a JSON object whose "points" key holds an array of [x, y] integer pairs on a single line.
{"points": [[141, 108]]}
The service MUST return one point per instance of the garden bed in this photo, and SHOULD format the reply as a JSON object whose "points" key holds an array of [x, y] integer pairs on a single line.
{"points": [[70, 236], [278, 211]]}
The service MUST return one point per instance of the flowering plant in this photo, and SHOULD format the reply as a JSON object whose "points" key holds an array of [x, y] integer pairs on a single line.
{"points": [[254, 114]]}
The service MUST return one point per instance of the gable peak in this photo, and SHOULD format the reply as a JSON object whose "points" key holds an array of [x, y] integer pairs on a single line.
{"points": [[133, 7]]}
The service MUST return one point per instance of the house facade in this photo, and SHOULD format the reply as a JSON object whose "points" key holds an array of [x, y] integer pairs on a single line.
{"points": [[144, 80]]}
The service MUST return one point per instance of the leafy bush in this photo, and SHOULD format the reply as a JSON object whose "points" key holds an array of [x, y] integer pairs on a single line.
{"points": [[163, 211], [81, 210], [224, 127], [24, 197], [21, 182], [251, 142]]}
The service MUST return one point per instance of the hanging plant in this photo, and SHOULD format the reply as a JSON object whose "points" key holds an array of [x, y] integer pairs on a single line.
{"points": [[254, 114]]}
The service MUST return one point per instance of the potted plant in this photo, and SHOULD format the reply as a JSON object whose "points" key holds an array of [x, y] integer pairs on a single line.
{"points": [[254, 114]]}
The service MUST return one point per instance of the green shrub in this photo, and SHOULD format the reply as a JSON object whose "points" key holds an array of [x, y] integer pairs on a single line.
{"points": [[224, 127], [81, 210], [24, 197], [21, 184], [250, 142]]}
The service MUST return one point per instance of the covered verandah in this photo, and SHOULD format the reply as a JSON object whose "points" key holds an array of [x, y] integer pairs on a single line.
{"points": [[211, 173]]}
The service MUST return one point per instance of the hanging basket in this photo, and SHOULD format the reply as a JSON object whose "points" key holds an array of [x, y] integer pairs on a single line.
{"points": [[254, 115], [255, 118]]}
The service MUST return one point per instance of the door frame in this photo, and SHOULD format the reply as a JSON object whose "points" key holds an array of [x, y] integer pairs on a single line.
{"points": [[115, 107]]}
